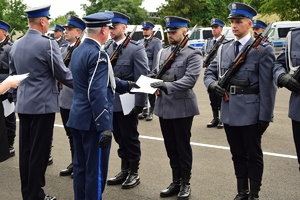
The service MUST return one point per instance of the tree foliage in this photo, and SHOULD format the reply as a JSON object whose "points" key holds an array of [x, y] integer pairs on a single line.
{"points": [[129, 7], [12, 12], [286, 10], [62, 19]]}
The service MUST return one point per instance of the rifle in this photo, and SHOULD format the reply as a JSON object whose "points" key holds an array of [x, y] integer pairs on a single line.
{"points": [[168, 62], [151, 37], [116, 53], [67, 58], [239, 60], [209, 56], [6, 39]]}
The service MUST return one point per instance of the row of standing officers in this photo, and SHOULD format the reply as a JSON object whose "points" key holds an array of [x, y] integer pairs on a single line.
{"points": [[88, 117]]}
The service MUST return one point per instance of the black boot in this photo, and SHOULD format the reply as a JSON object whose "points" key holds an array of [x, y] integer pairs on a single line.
{"points": [[254, 189], [143, 114], [150, 114], [133, 178], [174, 187], [243, 189], [50, 159], [69, 170], [120, 177], [185, 188], [214, 122]]}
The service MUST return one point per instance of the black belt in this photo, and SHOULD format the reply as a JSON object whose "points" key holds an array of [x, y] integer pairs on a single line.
{"points": [[243, 90], [4, 71]]}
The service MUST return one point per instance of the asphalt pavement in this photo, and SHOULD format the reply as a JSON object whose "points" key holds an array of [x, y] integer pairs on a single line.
{"points": [[212, 174]]}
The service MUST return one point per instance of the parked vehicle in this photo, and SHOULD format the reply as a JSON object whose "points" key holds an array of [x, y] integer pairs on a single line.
{"points": [[199, 36], [138, 34]]}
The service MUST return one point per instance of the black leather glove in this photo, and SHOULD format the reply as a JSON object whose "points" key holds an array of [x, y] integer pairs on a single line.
{"points": [[214, 87], [136, 110], [287, 80], [262, 126], [131, 85], [105, 139], [10, 97], [160, 85], [168, 77], [151, 75]]}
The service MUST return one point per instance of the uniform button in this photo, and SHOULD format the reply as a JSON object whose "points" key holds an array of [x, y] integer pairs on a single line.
{"points": [[98, 124]]}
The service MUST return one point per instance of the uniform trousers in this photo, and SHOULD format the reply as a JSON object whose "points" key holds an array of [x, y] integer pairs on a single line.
{"points": [[90, 165], [245, 147], [36, 132], [127, 136], [10, 122], [177, 134], [64, 113], [215, 101], [152, 99], [296, 135], [4, 150]]}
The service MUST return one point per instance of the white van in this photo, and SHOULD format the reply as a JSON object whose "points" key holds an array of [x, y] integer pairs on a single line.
{"points": [[279, 31], [138, 34], [199, 36]]}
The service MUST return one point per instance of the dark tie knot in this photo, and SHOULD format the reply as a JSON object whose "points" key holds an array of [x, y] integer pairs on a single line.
{"points": [[214, 42], [115, 45], [237, 49], [69, 47]]}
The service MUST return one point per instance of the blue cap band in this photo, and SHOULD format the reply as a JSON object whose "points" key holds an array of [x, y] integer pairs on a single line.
{"points": [[241, 12], [77, 24], [2, 26], [119, 20], [38, 14], [177, 24]]}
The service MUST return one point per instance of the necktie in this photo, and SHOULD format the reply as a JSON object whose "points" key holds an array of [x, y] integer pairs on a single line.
{"points": [[115, 45], [214, 42], [69, 47], [237, 50]]}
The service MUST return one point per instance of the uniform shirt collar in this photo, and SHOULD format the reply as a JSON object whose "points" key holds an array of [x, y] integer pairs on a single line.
{"points": [[244, 40], [120, 41], [217, 39], [93, 40]]}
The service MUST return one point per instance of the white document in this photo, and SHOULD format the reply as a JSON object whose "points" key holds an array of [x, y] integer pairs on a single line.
{"points": [[8, 107], [127, 102], [19, 77], [144, 83]]}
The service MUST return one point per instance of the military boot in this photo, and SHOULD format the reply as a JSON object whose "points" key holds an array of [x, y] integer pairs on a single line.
{"points": [[143, 114], [50, 159], [215, 121], [121, 176], [243, 189], [174, 187], [254, 189], [133, 178], [185, 188]]}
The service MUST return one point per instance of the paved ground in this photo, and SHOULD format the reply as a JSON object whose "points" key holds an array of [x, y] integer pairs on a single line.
{"points": [[212, 174]]}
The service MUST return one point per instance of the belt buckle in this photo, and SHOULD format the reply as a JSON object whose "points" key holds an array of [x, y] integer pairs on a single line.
{"points": [[232, 89]]}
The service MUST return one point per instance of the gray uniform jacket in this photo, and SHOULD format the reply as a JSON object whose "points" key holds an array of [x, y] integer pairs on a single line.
{"points": [[66, 93], [246, 109], [4, 65], [131, 64], [152, 49], [41, 58], [181, 101], [289, 59]]}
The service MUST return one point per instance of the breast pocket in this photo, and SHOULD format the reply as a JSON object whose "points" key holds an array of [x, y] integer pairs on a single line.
{"points": [[178, 69], [123, 68], [249, 71], [295, 57]]}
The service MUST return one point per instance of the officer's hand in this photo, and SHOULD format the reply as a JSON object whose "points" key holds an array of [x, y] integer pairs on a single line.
{"points": [[262, 126], [10, 97], [105, 139], [160, 85], [131, 85], [151, 75], [214, 87], [168, 77], [287, 80], [136, 110]]}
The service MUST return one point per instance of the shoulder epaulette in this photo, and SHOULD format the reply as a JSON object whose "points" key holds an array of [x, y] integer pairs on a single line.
{"points": [[134, 42], [209, 38], [189, 46], [227, 41], [49, 38], [265, 43], [64, 45], [295, 29], [9, 43], [166, 46]]}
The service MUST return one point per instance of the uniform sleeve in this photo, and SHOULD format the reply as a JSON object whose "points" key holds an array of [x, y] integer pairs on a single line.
{"points": [[210, 74], [279, 65], [267, 86], [140, 62], [58, 68], [192, 72], [121, 86], [157, 48], [97, 91]]}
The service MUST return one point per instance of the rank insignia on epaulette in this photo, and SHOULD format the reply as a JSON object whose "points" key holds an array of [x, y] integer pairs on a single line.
{"points": [[102, 59]]}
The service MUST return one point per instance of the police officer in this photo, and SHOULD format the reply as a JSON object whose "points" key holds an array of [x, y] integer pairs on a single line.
{"points": [[215, 100], [152, 46], [59, 35], [10, 120], [37, 98], [74, 28], [287, 61], [92, 109], [131, 64], [258, 27], [251, 99], [176, 120]]}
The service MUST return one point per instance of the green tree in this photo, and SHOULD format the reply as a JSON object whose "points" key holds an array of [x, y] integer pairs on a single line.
{"points": [[12, 12], [129, 7], [286, 10], [62, 19]]}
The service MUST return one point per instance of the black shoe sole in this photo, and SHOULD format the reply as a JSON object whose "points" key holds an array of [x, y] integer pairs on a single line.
{"points": [[115, 182], [50, 162], [130, 186]]}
